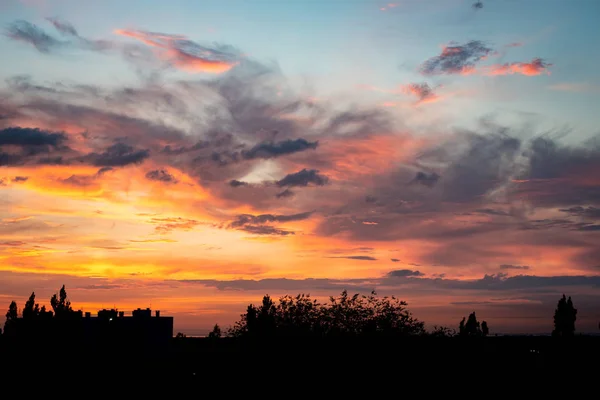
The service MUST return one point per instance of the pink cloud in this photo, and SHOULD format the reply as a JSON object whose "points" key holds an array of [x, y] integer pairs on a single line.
{"points": [[183, 53], [537, 66]]}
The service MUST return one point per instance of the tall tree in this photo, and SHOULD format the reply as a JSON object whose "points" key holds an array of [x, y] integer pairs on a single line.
{"points": [[565, 316], [471, 327], [11, 316], [61, 304], [31, 309], [215, 333], [484, 328]]}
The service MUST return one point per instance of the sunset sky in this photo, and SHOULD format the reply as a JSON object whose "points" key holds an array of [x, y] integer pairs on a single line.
{"points": [[192, 156]]}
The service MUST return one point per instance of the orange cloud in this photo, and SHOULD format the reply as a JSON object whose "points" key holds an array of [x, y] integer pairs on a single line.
{"points": [[182, 53], [537, 66]]}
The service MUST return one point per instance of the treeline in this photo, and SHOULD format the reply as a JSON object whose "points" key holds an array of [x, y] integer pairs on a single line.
{"points": [[302, 316]]}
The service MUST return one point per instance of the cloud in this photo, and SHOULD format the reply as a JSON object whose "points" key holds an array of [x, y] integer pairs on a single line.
{"points": [[537, 66], [63, 27], [184, 54], [245, 219], [259, 224], [270, 149], [583, 212], [395, 260], [403, 273], [478, 5], [169, 224], [265, 230], [407, 278], [361, 258], [422, 91], [235, 183], [457, 59], [19, 179], [161, 175], [286, 193], [29, 33], [304, 177], [28, 137], [426, 179], [117, 155], [518, 267]]}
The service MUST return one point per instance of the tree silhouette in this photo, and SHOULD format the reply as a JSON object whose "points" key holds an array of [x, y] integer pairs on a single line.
{"points": [[31, 309], [484, 328], [215, 333], [344, 315], [11, 316], [180, 335], [61, 304], [471, 327], [442, 331], [565, 316]]}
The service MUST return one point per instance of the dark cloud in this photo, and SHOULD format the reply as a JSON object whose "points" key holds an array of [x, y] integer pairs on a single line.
{"points": [[456, 59], [270, 149], [422, 91], [259, 224], [117, 155], [304, 177], [531, 284], [104, 170], [31, 137], [18, 179], [161, 175], [478, 5], [491, 211], [519, 267], [362, 258], [265, 230], [235, 183], [426, 179], [19, 146], [395, 260], [403, 273], [245, 219], [583, 212], [27, 32], [286, 193]]}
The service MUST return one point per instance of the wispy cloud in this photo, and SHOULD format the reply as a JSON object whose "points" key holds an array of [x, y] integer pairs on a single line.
{"points": [[537, 66], [185, 54]]}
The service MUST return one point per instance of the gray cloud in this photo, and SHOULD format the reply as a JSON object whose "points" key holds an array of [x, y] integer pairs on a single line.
{"points": [[29, 33], [284, 194], [161, 175], [117, 155], [456, 59], [361, 258], [236, 183], [583, 212], [18, 179], [304, 177], [245, 219], [402, 273], [426, 179], [519, 267], [270, 149], [33, 137]]}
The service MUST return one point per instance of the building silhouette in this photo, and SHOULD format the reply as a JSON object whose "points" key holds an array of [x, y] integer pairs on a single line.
{"points": [[110, 327]]}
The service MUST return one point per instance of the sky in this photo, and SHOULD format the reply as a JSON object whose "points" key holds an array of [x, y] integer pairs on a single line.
{"points": [[193, 156]]}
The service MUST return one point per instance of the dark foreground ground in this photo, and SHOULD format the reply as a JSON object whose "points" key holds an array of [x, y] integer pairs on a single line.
{"points": [[205, 361]]}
